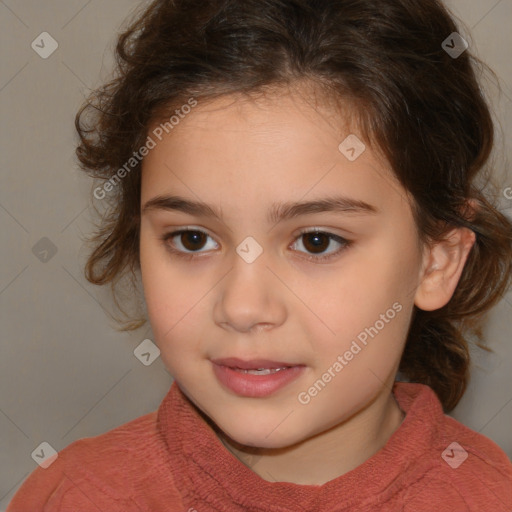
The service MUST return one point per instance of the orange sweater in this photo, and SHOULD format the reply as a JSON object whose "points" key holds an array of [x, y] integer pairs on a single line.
{"points": [[170, 460]]}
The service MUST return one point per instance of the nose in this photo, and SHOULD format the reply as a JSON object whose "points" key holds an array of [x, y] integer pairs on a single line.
{"points": [[250, 298]]}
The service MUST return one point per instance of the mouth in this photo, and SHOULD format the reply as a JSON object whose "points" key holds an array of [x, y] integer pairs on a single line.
{"points": [[253, 364], [256, 377], [261, 371]]}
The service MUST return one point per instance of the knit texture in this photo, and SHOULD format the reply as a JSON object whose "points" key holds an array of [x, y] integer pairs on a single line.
{"points": [[171, 460]]}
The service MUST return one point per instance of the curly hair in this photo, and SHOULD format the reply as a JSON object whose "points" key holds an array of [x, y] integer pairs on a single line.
{"points": [[420, 106]]}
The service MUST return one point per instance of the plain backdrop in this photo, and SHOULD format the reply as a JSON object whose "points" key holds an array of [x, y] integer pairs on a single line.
{"points": [[65, 373]]}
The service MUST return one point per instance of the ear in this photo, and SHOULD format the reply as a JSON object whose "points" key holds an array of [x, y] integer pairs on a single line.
{"points": [[442, 267]]}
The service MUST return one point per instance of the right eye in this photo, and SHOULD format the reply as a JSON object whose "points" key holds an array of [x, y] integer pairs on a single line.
{"points": [[190, 240]]}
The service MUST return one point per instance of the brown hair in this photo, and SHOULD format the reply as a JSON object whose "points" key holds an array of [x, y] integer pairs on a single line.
{"points": [[420, 106]]}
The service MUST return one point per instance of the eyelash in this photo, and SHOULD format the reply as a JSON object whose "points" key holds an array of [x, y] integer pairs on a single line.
{"points": [[189, 256]]}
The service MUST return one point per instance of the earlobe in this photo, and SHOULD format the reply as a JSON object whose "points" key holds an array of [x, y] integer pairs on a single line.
{"points": [[443, 264]]}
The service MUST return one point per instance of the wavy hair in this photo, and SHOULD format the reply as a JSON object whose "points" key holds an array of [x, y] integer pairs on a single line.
{"points": [[416, 103]]}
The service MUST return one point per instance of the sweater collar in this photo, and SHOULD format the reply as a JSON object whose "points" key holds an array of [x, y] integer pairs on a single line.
{"points": [[204, 470]]}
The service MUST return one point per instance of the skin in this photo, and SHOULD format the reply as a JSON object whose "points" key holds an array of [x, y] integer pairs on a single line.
{"points": [[241, 156]]}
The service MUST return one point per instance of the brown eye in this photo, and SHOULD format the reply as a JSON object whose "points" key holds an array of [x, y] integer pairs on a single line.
{"points": [[186, 241], [192, 240], [316, 242]]}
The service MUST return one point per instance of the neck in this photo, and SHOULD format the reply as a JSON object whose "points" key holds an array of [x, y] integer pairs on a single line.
{"points": [[327, 455]]}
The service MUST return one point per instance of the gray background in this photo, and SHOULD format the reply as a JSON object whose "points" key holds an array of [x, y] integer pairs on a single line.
{"points": [[65, 373]]}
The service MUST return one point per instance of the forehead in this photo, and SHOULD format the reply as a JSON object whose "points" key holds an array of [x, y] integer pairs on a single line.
{"points": [[301, 112], [285, 144]]}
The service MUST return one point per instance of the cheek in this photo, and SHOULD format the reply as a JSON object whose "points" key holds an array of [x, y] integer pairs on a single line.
{"points": [[161, 285], [175, 300], [363, 313], [164, 281], [365, 285]]}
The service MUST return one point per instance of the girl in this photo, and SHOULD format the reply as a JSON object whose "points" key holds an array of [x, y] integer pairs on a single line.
{"points": [[299, 185]]}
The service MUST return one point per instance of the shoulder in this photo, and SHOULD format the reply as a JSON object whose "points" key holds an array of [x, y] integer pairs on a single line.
{"points": [[449, 466], [468, 470], [94, 472], [475, 461]]}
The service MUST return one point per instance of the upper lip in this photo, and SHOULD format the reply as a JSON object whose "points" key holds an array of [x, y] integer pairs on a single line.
{"points": [[252, 364]]}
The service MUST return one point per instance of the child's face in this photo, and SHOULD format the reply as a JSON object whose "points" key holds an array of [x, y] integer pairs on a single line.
{"points": [[241, 158]]}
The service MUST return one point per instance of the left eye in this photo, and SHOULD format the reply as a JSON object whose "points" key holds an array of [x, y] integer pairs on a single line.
{"points": [[316, 242]]}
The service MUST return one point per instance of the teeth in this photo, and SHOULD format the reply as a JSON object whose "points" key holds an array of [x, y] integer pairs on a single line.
{"points": [[262, 371]]}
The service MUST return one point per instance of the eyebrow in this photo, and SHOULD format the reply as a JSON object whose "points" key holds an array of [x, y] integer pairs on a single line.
{"points": [[277, 212]]}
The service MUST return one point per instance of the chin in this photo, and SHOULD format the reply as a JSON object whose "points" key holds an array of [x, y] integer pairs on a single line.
{"points": [[262, 436]]}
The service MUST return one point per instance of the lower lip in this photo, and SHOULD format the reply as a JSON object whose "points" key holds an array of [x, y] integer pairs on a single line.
{"points": [[255, 386]]}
